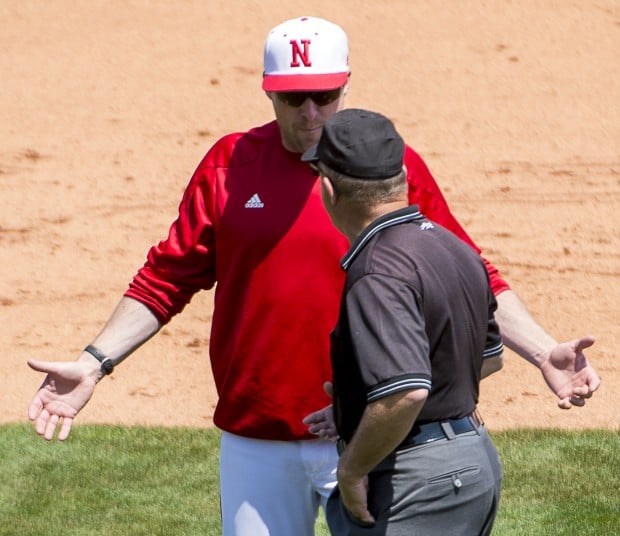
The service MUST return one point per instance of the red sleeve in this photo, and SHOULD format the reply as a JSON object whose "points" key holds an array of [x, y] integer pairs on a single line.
{"points": [[424, 192], [184, 262]]}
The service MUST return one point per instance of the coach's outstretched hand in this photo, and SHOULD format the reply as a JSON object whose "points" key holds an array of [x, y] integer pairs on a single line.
{"points": [[64, 392], [568, 374]]}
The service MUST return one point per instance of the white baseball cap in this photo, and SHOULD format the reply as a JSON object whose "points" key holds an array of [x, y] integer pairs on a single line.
{"points": [[306, 54]]}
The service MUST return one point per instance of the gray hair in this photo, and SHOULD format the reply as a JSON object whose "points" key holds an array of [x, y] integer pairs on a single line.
{"points": [[365, 191]]}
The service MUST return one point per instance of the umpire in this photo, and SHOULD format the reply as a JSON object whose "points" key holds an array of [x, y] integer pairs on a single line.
{"points": [[416, 333]]}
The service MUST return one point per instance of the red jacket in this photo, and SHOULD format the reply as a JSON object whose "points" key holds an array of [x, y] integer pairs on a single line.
{"points": [[252, 220]]}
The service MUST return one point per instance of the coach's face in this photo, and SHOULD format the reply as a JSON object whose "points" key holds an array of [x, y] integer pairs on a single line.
{"points": [[301, 115]]}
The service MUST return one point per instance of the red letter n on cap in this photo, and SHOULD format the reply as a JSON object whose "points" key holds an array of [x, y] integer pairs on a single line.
{"points": [[299, 55]]}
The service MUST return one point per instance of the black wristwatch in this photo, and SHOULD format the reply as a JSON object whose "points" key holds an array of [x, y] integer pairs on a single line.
{"points": [[106, 363]]}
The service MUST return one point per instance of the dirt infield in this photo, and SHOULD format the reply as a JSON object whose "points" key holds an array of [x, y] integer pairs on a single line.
{"points": [[107, 107]]}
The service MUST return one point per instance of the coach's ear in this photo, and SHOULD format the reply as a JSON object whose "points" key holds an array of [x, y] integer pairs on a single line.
{"points": [[345, 89]]}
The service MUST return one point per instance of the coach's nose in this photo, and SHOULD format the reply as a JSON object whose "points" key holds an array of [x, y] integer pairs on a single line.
{"points": [[310, 109]]}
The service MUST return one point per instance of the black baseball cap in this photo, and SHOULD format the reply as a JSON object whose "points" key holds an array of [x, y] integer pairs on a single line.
{"points": [[360, 144]]}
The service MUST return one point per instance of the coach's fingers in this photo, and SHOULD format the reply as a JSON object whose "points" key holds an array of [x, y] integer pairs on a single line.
{"points": [[316, 428], [570, 401], [40, 423], [316, 417], [594, 381], [583, 391], [564, 403], [35, 407], [65, 429], [324, 430], [50, 428]]}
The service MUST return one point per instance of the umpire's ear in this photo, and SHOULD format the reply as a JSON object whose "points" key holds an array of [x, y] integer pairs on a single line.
{"points": [[330, 197]]}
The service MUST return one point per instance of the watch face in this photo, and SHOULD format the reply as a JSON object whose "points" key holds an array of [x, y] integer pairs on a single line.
{"points": [[107, 366]]}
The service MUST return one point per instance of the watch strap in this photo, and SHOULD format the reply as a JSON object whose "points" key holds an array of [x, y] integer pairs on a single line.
{"points": [[106, 363]]}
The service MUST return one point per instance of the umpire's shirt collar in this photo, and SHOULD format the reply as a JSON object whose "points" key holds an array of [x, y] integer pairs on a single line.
{"points": [[402, 215]]}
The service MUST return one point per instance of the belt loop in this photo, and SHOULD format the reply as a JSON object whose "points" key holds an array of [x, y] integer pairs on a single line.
{"points": [[476, 420], [447, 429], [475, 424]]}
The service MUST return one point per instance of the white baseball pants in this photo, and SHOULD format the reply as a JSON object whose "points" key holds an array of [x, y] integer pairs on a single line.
{"points": [[274, 488]]}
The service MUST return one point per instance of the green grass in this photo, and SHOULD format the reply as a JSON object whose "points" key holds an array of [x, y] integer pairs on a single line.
{"points": [[163, 481], [559, 483], [109, 480]]}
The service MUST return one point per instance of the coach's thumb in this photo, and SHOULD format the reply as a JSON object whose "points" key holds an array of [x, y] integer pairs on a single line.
{"points": [[41, 366]]}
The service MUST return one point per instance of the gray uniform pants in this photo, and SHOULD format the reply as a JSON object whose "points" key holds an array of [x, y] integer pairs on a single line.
{"points": [[447, 487]]}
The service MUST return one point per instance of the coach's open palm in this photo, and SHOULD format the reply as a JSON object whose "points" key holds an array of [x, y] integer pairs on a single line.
{"points": [[568, 374], [64, 392]]}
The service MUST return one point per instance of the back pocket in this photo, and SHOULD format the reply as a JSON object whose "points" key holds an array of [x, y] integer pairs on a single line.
{"points": [[451, 482]]}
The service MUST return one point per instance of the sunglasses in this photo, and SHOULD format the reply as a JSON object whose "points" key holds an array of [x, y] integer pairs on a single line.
{"points": [[297, 98]]}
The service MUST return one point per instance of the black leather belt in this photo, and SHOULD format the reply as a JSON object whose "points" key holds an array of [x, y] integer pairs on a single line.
{"points": [[446, 429], [432, 431]]}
